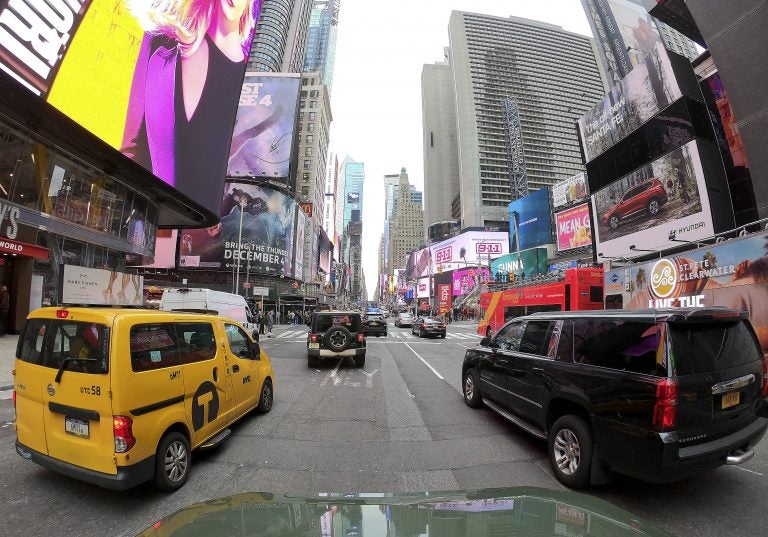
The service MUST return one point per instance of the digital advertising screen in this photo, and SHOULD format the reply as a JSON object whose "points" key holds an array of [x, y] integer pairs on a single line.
{"points": [[530, 222], [465, 280], [464, 250], [526, 263], [155, 80], [574, 228], [571, 190], [268, 230], [263, 136], [298, 247], [667, 196], [650, 87]]}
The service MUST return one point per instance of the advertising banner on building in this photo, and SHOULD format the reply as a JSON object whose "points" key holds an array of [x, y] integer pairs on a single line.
{"points": [[422, 289], [298, 246], [520, 265], [91, 286], [571, 190], [530, 221], [467, 249], [465, 280], [733, 274], [648, 89], [574, 228], [263, 136], [667, 196], [267, 244], [111, 66], [443, 298]]}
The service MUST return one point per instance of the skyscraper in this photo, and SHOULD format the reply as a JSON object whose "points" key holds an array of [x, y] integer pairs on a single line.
{"points": [[281, 35], [321, 39], [406, 229], [552, 77]]}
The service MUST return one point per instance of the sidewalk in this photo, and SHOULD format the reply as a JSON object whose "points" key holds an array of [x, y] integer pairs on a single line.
{"points": [[7, 355]]}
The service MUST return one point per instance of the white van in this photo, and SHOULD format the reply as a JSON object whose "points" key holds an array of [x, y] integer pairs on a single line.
{"points": [[209, 301]]}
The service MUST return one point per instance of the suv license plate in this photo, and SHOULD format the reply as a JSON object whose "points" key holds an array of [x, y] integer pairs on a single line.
{"points": [[314, 345], [77, 427], [731, 399]]}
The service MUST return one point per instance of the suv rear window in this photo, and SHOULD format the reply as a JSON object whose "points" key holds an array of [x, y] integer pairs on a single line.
{"points": [[623, 345], [48, 342], [705, 347], [348, 321]]}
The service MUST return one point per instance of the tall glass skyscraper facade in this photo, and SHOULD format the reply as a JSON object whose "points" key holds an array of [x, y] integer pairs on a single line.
{"points": [[321, 39]]}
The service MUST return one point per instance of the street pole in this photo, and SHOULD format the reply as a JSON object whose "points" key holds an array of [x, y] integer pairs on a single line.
{"points": [[239, 245]]}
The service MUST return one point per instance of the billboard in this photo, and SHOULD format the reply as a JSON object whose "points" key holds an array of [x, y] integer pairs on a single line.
{"points": [[571, 190], [573, 228], [298, 247], [648, 89], [465, 280], [468, 248], [353, 197], [733, 274], [667, 196], [422, 288], [530, 221], [263, 134], [91, 286], [165, 249], [152, 79], [267, 244], [443, 298], [520, 264]]}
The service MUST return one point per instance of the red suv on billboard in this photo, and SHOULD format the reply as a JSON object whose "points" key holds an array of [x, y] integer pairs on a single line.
{"points": [[645, 197]]}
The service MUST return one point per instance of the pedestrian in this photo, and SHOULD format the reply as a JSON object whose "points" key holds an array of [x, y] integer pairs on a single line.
{"points": [[682, 184], [290, 317], [270, 322], [5, 305], [262, 322]]}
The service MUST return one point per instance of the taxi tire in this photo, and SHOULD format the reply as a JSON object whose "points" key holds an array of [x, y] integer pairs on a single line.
{"points": [[161, 479], [266, 399]]}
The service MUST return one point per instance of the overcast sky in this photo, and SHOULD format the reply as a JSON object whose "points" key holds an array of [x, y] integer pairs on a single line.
{"points": [[376, 99]]}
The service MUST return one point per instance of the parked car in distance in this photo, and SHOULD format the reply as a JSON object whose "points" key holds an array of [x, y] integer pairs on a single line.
{"points": [[336, 333], [658, 395], [374, 324], [428, 326], [647, 197], [403, 320]]}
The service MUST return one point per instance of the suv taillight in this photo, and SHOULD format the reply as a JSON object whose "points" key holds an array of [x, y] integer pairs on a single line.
{"points": [[665, 407], [124, 440], [360, 337], [313, 338], [423, 325], [764, 389]]}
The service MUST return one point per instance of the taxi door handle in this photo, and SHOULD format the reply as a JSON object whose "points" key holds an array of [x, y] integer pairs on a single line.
{"points": [[215, 374], [235, 368]]}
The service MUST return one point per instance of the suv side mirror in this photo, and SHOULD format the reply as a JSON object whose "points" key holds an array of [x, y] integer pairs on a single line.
{"points": [[485, 342]]}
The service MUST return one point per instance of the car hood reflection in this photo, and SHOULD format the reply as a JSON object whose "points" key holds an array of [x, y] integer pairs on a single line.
{"points": [[514, 511]]}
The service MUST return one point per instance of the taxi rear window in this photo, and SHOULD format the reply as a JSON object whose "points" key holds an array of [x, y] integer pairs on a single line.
{"points": [[49, 342]]}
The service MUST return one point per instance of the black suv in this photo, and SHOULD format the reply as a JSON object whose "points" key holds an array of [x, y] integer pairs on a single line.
{"points": [[658, 395], [374, 324], [335, 333]]}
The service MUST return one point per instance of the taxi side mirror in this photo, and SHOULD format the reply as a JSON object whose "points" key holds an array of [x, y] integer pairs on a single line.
{"points": [[255, 336]]}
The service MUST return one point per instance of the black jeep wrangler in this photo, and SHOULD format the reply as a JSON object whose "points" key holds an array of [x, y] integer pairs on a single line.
{"points": [[335, 333]]}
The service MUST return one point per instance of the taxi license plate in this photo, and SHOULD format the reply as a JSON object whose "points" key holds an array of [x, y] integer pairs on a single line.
{"points": [[314, 345], [77, 427], [731, 399]]}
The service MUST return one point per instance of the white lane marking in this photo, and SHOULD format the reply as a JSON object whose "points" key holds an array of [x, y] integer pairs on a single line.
{"points": [[369, 377], [334, 373], [425, 362], [747, 470], [461, 345]]}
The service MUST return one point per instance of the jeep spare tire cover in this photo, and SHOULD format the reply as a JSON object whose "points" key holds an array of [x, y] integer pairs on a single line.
{"points": [[338, 338]]}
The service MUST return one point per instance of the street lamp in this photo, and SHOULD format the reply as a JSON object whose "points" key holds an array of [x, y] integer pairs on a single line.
{"points": [[239, 245]]}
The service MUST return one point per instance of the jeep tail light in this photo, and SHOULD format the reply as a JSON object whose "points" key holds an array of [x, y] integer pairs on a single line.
{"points": [[313, 338], [122, 427], [665, 407], [360, 337], [763, 390], [423, 325]]}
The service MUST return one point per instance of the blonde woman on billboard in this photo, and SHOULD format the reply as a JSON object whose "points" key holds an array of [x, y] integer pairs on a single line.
{"points": [[185, 88]]}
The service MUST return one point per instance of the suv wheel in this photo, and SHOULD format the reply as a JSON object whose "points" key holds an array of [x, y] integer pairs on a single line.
{"points": [[471, 389], [172, 462], [338, 338], [653, 207], [613, 222], [570, 451]]}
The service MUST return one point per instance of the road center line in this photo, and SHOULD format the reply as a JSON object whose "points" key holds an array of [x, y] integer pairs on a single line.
{"points": [[425, 362]]}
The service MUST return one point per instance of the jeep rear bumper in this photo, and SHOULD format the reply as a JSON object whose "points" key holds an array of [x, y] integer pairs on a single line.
{"points": [[324, 353]]}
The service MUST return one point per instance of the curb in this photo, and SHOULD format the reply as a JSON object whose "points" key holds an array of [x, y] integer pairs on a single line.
{"points": [[6, 387]]}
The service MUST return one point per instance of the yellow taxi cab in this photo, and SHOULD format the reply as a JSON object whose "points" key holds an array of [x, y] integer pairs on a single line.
{"points": [[116, 397]]}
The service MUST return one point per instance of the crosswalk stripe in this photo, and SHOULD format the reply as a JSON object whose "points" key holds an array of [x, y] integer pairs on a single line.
{"points": [[463, 336], [291, 333]]}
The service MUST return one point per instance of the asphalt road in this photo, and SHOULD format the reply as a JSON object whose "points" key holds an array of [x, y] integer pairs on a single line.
{"points": [[393, 426]]}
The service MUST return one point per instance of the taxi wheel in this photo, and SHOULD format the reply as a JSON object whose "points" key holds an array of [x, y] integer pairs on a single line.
{"points": [[266, 399], [172, 462]]}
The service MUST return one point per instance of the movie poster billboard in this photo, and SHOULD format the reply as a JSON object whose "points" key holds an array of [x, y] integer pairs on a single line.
{"points": [[443, 298], [467, 249], [530, 221], [574, 228], [267, 244], [465, 280], [572, 190], [298, 247], [263, 135], [111, 66], [648, 89], [667, 196], [733, 274]]}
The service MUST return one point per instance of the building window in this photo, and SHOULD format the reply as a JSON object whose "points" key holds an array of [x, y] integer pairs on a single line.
{"points": [[308, 152], [310, 138], [305, 176], [310, 127], [305, 191], [312, 116], [307, 164], [312, 104]]}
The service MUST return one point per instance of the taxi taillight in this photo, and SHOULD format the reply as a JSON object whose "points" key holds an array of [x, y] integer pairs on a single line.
{"points": [[123, 429], [62, 314]]}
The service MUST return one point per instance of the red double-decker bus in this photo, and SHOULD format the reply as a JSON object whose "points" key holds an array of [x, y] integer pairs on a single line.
{"points": [[575, 289]]}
